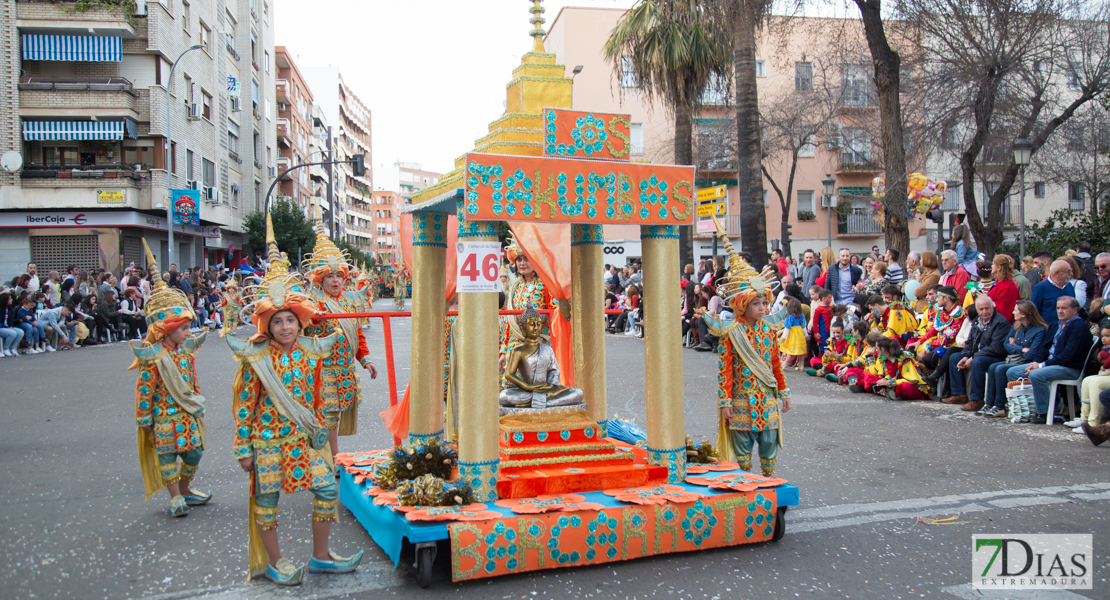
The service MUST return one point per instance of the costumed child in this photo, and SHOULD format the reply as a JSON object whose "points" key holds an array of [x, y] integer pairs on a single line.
{"points": [[834, 350], [861, 373], [280, 435], [794, 334], [822, 320], [328, 271], [752, 389], [169, 410], [856, 348], [890, 319], [900, 378]]}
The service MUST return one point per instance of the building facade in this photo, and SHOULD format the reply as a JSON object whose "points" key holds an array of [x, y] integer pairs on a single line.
{"points": [[294, 129], [350, 123], [85, 99]]}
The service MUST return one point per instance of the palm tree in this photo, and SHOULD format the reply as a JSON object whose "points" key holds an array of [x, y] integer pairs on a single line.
{"points": [[675, 49]]}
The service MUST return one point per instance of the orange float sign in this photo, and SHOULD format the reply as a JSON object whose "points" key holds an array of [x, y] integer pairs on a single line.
{"points": [[567, 190], [582, 134]]}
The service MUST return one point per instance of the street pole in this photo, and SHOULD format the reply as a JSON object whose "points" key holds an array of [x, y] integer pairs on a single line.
{"points": [[828, 221], [331, 187], [169, 160], [1022, 243]]}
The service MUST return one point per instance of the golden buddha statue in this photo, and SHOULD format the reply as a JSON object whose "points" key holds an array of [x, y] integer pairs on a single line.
{"points": [[532, 373]]}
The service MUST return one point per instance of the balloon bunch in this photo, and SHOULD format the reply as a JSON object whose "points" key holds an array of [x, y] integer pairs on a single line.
{"points": [[923, 195]]}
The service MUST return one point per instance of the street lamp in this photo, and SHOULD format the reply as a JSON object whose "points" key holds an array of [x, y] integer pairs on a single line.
{"points": [[829, 185], [169, 147], [1023, 153]]}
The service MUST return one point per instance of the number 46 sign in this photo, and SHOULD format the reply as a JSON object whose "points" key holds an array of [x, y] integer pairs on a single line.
{"points": [[479, 266]]}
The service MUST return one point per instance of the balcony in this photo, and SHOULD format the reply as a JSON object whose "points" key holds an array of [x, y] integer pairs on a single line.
{"points": [[108, 97], [282, 86], [284, 163], [283, 133], [73, 187], [855, 162], [52, 16], [860, 222]]}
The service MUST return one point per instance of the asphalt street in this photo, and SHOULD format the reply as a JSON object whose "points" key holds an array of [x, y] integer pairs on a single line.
{"points": [[74, 523]]}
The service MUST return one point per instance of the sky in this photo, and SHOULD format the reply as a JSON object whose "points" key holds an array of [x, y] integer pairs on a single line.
{"points": [[432, 72]]}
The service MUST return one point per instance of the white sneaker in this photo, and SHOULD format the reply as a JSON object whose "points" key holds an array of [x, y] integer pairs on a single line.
{"points": [[1074, 422], [34, 351], [50, 348], [1077, 430]]}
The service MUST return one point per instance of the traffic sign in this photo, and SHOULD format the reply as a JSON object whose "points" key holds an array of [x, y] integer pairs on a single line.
{"points": [[713, 193], [716, 208]]}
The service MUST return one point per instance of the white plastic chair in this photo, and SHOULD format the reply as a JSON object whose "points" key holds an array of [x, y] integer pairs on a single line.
{"points": [[1073, 384]]}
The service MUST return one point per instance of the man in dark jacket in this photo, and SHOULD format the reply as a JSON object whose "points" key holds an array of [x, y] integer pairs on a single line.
{"points": [[842, 278], [984, 347], [108, 316], [1070, 345]]}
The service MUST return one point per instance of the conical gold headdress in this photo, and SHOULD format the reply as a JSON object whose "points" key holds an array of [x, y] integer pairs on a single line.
{"points": [[742, 283], [279, 289], [326, 258], [166, 305]]}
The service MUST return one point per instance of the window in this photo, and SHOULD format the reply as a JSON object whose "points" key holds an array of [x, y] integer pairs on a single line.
{"points": [[188, 92], [1077, 195], [207, 109], [254, 93], [855, 85], [254, 49], [173, 157], [715, 92], [805, 202], [266, 60], [257, 148], [189, 165], [232, 137], [760, 68], [949, 139], [636, 137], [185, 16], [628, 73], [856, 146], [209, 173], [808, 149], [803, 76], [205, 36], [1073, 78], [1038, 189]]}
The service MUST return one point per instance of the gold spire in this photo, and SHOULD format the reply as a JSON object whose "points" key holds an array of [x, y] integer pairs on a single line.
{"points": [[164, 302], [155, 273], [326, 258], [273, 254], [537, 22], [741, 276]]}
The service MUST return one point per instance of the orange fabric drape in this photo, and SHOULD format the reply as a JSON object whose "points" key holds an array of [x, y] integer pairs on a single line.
{"points": [[396, 418], [547, 246], [452, 237]]}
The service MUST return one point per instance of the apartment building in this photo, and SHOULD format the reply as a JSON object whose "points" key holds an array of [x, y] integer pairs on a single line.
{"points": [[387, 225], [85, 99], [411, 178], [350, 123], [294, 131]]}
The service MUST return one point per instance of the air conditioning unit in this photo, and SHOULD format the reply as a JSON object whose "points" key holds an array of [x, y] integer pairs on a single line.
{"points": [[194, 111], [824, 201], [210, 193], [236, 104], [281, 106], [273, 171], [192, 184], [219, 197]]}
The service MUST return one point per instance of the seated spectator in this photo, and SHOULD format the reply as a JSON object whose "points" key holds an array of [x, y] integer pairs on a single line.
{"points": [[108, 317], [1099, 434], [33, 329], [1077, 281], [1066, 356], [58, 320], [866, 368], [874, 286], [11, 335], [131, 309], [856, 347], [1091, 411], [836, 351], [1025, 343], [985, 346], [900, 378], [627, 319], [689, 306], [941, 335], [1004, 291], [713, 309]]}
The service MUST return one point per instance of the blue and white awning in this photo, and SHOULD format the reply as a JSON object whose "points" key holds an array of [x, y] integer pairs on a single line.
{"points": [[73, 130], [97, 48]]}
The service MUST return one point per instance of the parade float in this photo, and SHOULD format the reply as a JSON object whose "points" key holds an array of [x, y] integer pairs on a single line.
{"points": [[516, 471]]}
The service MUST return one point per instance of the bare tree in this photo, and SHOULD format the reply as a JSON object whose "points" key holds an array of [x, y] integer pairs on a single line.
{"points": [[1079, 155], [795, 120], [999, 70]]}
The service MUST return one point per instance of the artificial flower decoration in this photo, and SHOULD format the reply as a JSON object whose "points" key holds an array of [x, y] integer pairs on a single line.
{"points": [[470, 512], [362, 459], [694, 469], [660, 494], [542, 504], [737, 482]]}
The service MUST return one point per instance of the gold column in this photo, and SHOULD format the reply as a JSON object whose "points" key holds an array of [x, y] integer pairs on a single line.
{"points": [[429, 288], [478, 346], [587, 306], [666, 424]]}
